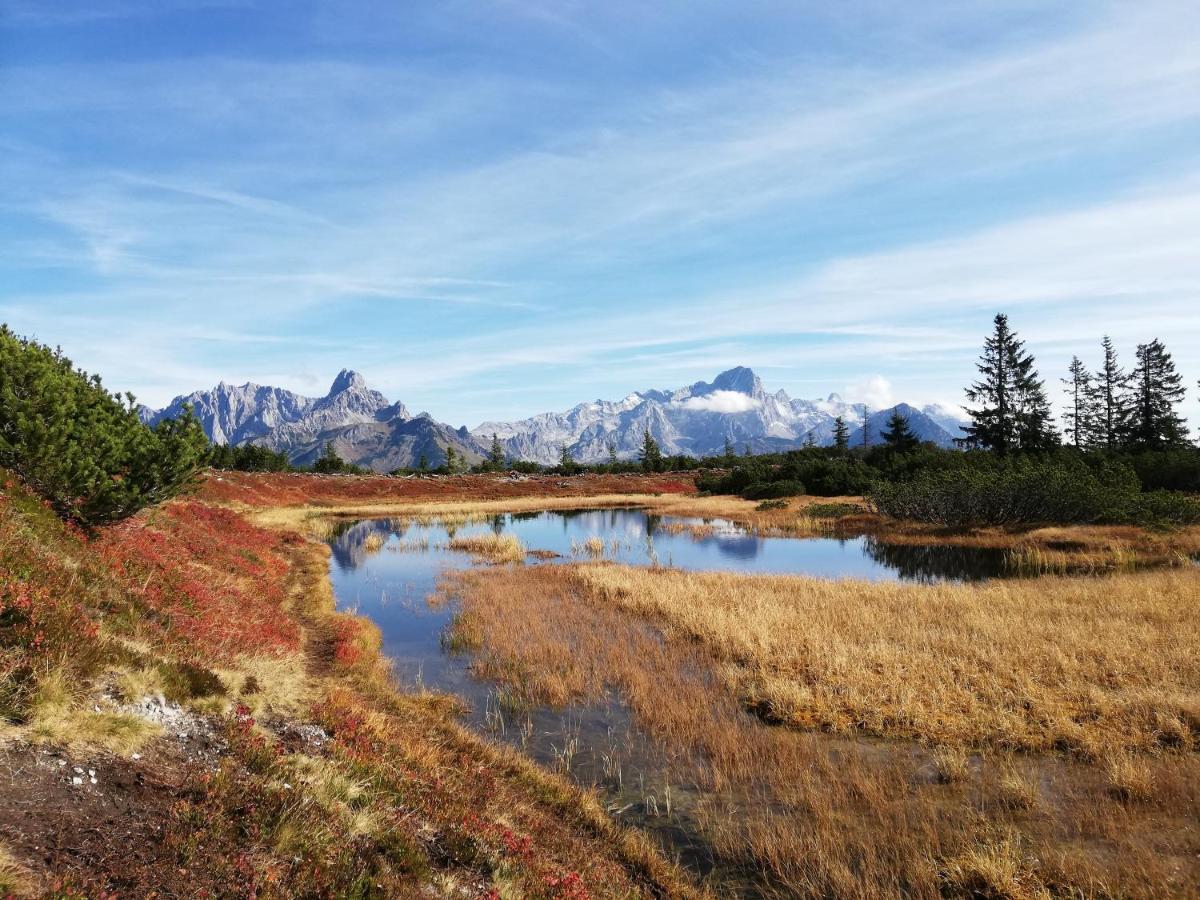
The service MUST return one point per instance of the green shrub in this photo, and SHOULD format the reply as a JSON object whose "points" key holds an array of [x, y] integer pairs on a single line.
{"points": [[831, 477], [1025, 491], [248, 458], [1170, 470], [769, 490], [1166, 508], [81, 448], [768, 505]]}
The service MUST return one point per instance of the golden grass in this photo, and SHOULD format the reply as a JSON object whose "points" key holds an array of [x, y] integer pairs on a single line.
{"points": [[825, 815], [1088, 664], [59, 715], [15, 879], [495, 548]]}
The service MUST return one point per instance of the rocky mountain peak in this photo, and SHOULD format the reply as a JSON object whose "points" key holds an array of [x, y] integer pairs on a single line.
{"points": [[346, 380], [739, 379]]}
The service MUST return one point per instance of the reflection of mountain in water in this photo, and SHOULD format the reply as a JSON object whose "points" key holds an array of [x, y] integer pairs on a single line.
{"points": [[936, 562], [349, 543]]}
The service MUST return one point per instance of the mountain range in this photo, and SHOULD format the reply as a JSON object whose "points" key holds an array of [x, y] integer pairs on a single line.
{"points": [[366, 429]]}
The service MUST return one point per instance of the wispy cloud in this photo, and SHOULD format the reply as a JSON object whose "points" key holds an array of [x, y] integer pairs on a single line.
{"points": [[436, 219]]}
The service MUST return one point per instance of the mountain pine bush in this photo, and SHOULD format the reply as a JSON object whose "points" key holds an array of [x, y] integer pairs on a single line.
{"points": [[81, 448]]}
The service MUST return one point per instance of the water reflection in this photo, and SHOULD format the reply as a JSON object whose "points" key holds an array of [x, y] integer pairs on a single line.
{"points": [[938, 562], [386, 569], [637, 537]]}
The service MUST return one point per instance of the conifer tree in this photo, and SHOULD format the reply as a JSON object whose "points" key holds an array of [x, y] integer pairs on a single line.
{"points": [[730, 451], [866, 427], [496, 455], [841, 434], [1081, 425], [451, 459], [423, 462], [898, 435], [810, 441], [330, 463], [612, 456], [1013, 412], [86, 451], [1110, 387], [650, 454], [1156, 390], [566, 461]]}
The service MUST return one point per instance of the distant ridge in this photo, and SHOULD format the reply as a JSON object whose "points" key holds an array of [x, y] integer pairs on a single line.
{"points": [[697, 420], [368, 430], [363, 426]]}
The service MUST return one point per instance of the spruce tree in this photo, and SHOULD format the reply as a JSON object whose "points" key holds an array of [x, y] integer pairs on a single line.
{"points": [[1156, 389], [330, 463], [1110, 388], [566, 462], [810, 441], [1082, 425], [1013, 412], [841, 434], [730, 452], [650, 454], [866, 427], [612, 456], [898, 435], [451, 459], [496, 456]]}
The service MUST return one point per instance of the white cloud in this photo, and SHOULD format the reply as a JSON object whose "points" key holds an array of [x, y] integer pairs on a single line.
{"points": [[721, 402], [874, 390]]}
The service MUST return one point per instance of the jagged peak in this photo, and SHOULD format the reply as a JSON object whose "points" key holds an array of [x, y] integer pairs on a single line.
{"points": [[347, 379], [740, 378]]}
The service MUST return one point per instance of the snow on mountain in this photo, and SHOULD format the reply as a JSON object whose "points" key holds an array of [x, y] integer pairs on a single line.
{"points": [[921, 425], [951, 418], [697, 420]]}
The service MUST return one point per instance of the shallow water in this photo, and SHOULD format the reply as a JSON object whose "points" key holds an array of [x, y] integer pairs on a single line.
{"points": [[388, 570]]}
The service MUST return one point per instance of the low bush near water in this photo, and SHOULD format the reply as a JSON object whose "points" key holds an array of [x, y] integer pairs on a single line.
{"points": [[1030, 491]]}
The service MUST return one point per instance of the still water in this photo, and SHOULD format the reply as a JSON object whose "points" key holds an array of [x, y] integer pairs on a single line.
{"points": [[387, 569]]}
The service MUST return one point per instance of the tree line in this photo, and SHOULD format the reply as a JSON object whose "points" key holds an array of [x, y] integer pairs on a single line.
{"points": [[87, 452], [1107, 408]]}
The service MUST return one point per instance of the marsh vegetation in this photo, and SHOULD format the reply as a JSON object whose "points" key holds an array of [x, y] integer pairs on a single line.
{"points": [[783, 734]]}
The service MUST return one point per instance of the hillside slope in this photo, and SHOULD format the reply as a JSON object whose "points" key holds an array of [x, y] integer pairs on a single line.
{"points": [[189, 717]]}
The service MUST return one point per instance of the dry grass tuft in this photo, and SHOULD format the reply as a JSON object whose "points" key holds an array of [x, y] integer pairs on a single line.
{"points": [[952, 764], [59, 715], [495, 548], [1130, 779], [1017, 790], [994, 869]]}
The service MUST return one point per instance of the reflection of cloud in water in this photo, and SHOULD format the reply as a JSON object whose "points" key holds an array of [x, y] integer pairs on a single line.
{"points": [[736, 546]]}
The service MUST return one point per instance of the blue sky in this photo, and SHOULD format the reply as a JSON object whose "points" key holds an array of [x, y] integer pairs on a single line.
{"points": [[496, 208]]}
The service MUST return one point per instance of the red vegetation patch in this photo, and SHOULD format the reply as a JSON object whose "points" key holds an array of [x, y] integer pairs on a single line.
{"points": [[295, 489], [213, 582]]}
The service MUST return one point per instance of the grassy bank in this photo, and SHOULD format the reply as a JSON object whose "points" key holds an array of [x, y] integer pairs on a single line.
{"points": [[186, 715], [1094, 680]]}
